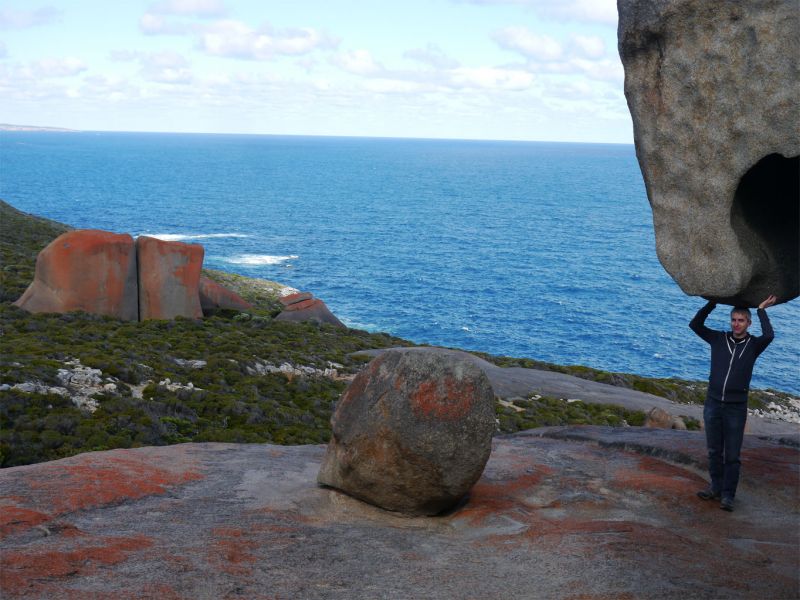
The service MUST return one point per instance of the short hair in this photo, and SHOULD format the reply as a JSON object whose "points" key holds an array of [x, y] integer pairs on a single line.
{"points": [[742, 310]]}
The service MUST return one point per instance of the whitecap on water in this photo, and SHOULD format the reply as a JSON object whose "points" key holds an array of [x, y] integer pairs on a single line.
{"points": [[259, 259], [179, 237]]}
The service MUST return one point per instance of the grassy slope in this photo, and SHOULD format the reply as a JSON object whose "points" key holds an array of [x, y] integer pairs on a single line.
{"points": [[228, 402]]}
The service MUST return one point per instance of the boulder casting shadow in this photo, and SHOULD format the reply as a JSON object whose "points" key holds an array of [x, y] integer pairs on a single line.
{"points": [[412, 433]]}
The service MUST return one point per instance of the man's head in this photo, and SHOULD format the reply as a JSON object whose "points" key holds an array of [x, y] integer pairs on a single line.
{"points": [[740, 321]]}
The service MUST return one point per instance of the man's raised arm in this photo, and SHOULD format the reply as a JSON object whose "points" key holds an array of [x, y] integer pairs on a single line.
{"points": [[767, 334], [698, 324]]}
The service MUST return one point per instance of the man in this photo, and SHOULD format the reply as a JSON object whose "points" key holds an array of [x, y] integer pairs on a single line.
{"points": [[733, 355]]}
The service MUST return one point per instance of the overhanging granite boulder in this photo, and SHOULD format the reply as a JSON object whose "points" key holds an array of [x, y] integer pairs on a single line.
{"points": [[712, 88]]}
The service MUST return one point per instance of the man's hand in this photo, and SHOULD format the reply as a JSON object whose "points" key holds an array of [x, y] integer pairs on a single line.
{"points": [[768, 302]]}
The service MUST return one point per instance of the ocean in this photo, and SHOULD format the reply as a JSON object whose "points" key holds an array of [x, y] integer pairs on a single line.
{"points": [[527, 249]]}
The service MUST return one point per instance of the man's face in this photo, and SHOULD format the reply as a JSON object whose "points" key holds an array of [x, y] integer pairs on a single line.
{"points": [[739, 324]]}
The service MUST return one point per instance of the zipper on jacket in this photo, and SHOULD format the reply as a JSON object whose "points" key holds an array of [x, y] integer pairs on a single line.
{"points": [[730, 364]]}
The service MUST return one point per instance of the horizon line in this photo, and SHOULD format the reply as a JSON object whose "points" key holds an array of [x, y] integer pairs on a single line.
{"points": [[13, 127]]}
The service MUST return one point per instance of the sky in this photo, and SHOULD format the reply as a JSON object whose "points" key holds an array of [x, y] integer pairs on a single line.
{"points": [[541, 70]]}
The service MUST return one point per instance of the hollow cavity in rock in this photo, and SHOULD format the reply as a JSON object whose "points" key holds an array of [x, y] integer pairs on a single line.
{"points": [[766, 206]]}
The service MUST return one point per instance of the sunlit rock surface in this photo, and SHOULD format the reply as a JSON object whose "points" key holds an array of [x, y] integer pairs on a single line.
{"points": [[86, 269], [412, 432], [573, 512], [169, 279], [302, 307], [214, 296]]}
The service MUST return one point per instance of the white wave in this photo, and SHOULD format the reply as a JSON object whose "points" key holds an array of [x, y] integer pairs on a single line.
{"points": [[259, 259], [178, 237]]}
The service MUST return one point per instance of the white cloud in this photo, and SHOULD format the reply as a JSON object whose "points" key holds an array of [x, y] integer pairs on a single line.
{"points": [[154, 21], [235, 39], [602, 70], [585, 11], [528, 43], [490, 78], [583, 55], [152, 24], [194, 8], [589, 46], [123, 55], [160, 67], [591, 11], [24, 19], [3, 49], [358, 62], [432, 55], [449, 78], [166, 67], [395, 86], [57, 67]]}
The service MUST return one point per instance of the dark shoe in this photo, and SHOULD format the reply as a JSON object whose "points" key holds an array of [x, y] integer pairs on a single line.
{"points": [[726, 504], [708, 495]]}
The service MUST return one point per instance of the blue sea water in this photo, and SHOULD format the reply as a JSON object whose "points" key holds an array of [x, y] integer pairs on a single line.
{"points": [[541, 250]]}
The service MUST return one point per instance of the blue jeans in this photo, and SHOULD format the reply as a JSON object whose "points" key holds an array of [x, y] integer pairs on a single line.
{"points": [[724, 425]]}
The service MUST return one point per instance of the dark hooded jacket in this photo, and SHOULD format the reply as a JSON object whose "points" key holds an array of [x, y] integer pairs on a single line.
{"points": [[732, 360]]}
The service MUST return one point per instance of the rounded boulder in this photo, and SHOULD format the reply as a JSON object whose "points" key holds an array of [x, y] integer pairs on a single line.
{"points": [[412, 433]]}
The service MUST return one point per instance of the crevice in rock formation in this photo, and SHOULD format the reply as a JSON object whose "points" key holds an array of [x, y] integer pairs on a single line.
{"points": [[767, 204]]}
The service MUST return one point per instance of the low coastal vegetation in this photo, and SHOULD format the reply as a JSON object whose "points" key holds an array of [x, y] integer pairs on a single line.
{"points": [[232, 377]]}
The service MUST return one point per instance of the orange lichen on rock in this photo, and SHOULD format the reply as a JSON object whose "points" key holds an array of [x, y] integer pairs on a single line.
{"points": [[86, 269], [232, 550], [214, 296], [169, 279], [21, 569], [16, 518], [492, 496], [86, 481], [657, 476], [412, 433], [302, 304], [76, 487], [448, 398]]}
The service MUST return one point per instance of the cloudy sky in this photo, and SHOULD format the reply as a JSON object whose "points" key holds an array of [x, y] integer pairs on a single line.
{"points": [[480, 69]]}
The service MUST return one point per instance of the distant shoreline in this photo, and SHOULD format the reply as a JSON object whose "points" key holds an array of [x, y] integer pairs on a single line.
{"points": [[10, 127]]}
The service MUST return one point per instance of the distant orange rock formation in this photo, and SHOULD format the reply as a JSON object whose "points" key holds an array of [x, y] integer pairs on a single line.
{"points": [[106, 273], [169, 279], [302, 307], [89, 270]]}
